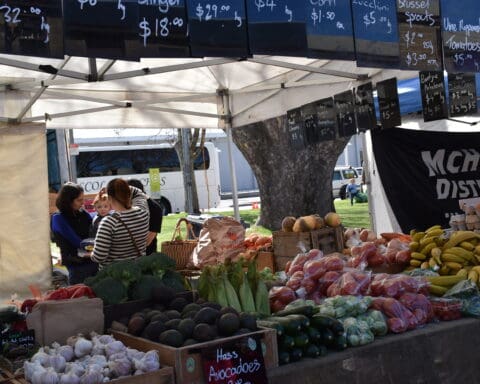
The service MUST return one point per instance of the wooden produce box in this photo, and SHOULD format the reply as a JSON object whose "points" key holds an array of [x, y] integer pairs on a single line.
{"points": [[328, 239], [187, 361], [286, 246], [265, 260], [162, 376]]}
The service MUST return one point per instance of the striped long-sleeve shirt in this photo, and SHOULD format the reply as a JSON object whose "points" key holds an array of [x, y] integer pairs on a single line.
{"points": [[113, 242]]}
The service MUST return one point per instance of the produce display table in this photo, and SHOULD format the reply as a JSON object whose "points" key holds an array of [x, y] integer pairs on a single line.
{"points": [[442, 353]]}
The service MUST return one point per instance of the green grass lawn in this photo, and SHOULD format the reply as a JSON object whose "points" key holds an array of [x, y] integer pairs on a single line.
{"points": [[352, 216]]}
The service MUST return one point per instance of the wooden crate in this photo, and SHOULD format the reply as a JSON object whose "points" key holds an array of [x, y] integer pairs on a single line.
{"points": [[328, 239], [286, 245], [187, 361], [162, 376], [265, 260]]}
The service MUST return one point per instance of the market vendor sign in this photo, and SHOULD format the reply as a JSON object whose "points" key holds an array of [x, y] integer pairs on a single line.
{"points": [[424, 174], [238, 362]]}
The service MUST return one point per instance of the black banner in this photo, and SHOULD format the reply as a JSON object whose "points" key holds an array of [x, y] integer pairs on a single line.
{"points": [[424, 174]]}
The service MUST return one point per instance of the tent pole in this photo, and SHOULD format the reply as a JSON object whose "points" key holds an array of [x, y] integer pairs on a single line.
{"points": [[231, 162]]}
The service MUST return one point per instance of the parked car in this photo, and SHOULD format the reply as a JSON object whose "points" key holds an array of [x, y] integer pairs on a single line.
{"points": [[341, 177]]}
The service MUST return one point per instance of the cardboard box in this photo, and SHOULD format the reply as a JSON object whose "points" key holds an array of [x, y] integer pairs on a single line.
{"points": [[187, 361]]}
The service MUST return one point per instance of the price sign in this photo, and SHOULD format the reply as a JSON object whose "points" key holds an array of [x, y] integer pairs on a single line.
{"points": [[388, 103], [31, 28], [237, 362], [462, 94], [419, 29], [277, 27], [434, 101], [345, 110], [330, 29], [326, 119], [295, 128], [163, 29], [101, 28], [376, 33], [217, 28], [310, 123], [364, 107], [13, 339], [461, 35]]}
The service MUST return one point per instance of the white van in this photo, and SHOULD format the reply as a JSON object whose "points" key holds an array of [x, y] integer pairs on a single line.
{"points": [[341, 178]]}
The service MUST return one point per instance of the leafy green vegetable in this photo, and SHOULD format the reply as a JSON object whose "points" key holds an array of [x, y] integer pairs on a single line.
{"points": [[111, 291], [143, 288], [173, 280], [155, 264], [126, 271]]}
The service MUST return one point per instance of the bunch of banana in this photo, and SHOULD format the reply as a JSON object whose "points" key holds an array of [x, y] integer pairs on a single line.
{"points": [[457, 256]]}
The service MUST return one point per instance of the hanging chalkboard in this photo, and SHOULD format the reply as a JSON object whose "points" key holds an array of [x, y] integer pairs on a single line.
{"points": [[162, 29], [239, 361], [330, 30], [101, 28], [33, 28], [364, 107], [295, 128], [217, 28], [420, 38], [277, 27], [460, 35], [389, 105], [345, 110], [376, 33], [310, 123], [462, 94], [326, 119], [11, 340], [434, 100]]}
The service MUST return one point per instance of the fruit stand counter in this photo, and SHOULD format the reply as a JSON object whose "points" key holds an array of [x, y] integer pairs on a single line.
{"points": [[446, 352]]}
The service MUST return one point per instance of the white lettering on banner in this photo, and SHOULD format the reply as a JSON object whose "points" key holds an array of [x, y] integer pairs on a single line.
{"points": [[440, 163], [457, 189]]}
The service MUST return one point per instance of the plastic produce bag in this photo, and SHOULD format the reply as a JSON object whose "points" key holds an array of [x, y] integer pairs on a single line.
{"points": [[387, 285], [419, 305], [352, 282], [357, 331], [376, 321], [471, 306], [328, 279], [399, 318], [463, 290], [344, 306]]}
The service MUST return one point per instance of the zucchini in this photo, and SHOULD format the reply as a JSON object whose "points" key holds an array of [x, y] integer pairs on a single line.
{"points": [[321, 322], [340, 342], [283, 357], [273, 325], [328, 337], [314, 334], [296, 354], [304, 320], [301, 340], [291, 326], [311, 351], [337, 327], [322, 349], [306, 310], [286, 342]]}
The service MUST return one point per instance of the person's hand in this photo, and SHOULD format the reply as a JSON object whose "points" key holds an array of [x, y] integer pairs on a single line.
{"points": [[102, 192]]}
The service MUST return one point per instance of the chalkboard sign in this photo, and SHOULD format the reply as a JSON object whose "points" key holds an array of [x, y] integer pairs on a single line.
{"points": [[217, 28], [330, 30], [32, 28], [420, 38], [462, 94], [364, 107], [460, 35], [101, 28], [277, 27], [434, 100], [12, 339], [376, 33], [162, 29], [326, 119], [310, 123], [389, 105], [295, 128], [345, 110], [240, 361]]}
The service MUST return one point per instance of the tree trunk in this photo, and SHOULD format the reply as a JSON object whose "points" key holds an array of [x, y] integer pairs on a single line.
{"points": [[291, 183]]}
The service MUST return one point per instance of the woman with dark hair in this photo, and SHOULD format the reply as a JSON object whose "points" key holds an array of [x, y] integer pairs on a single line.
{"points": [[70, 226], [123, 235]]}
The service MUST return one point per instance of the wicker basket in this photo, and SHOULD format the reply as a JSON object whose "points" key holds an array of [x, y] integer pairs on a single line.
{"points": [[181, 250]]}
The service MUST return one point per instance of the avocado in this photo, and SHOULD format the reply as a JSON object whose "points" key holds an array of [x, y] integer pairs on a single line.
{"points": [[228, 324], [189, 315], [154, 329], [173, 324], [211, 304], [136, 325], [203, 332], [178, 304], [191, 307], [151, 314], [172, 314], [162, 294], [228, 310], [188, 342], [160, 317], [206, 315], [172, 338], [248, 321], [186, 327]]}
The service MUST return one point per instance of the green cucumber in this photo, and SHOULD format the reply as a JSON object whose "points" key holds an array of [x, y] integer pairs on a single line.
{"points": [[340, 342], [301, 340], [311, 350], [328, 337], [286, 342], [314, 334], [283, 357], [323, 349], [321, 322], [291, 326], [306, 310], [273, 325], [304, 320], [296, 354]]}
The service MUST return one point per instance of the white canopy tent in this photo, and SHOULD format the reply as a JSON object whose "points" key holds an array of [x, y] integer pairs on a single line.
{"points": [[80, 93]]}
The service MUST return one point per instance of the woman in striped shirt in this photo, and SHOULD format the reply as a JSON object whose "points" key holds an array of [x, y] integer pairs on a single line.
{"points": [[123, 235]]}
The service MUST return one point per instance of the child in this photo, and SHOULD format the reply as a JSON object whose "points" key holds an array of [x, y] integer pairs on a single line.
{"points": [[103, 208], [352, 190]]}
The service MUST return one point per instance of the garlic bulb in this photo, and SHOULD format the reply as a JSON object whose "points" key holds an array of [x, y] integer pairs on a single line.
{"points": [[121, 367], [57, 362], [150, 362], [37, 374], [98, 348], [106, 339], [72, 340], [30, 368], [91, 376], [69, 378], [82, 347], [49, 376], [42, 357], [117, 356], [133, 354], [114, 347], [66, 351], [76, 368]]}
